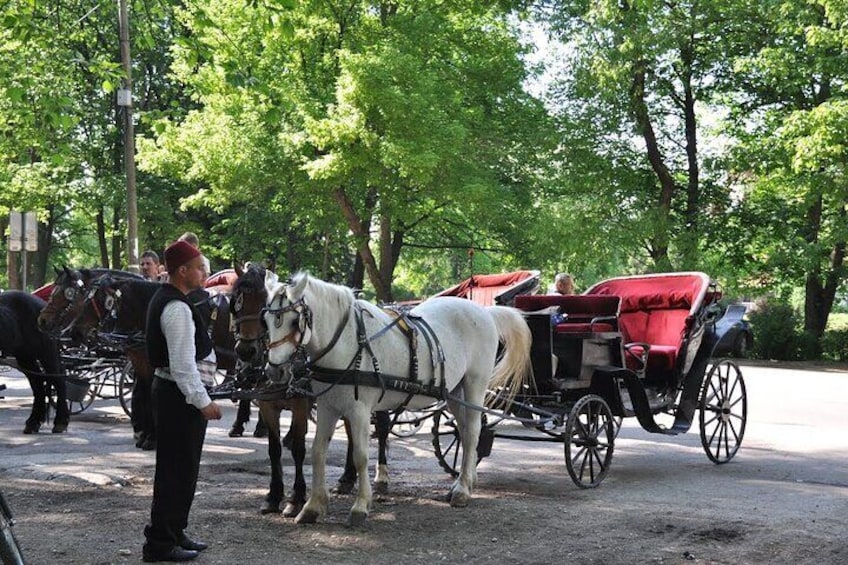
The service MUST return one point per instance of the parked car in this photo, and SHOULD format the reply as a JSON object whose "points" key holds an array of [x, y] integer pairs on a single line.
{"points": [[739, 337]]}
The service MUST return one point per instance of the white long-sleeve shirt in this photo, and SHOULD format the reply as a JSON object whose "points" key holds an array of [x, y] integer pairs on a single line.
{"points": [[178, 328]]}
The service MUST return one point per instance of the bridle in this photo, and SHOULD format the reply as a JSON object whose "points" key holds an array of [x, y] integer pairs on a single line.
{"points": [[298, 333], [108, 309], [70, 293]]}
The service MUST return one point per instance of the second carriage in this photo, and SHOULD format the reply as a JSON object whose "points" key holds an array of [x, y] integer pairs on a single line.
{"points": [[638, 346]]}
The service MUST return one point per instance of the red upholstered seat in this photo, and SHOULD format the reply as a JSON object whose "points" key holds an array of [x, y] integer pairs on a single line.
{"points": [[656, 310]]}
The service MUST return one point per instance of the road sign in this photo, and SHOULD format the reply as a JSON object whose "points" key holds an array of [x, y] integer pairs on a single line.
{"points": [[16, 231], [30, 232]]}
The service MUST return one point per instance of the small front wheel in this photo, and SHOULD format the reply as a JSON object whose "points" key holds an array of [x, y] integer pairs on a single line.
{"points": [[724, 411], [126, 383], [589, 441]]}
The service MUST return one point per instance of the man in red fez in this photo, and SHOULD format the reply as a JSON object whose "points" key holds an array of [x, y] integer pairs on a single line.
{"points": [[181, 352]]}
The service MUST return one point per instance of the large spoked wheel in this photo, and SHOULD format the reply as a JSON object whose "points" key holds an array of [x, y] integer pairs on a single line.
{"points": [[724, 411], [126, 382], [589, 441], [447, 444]]}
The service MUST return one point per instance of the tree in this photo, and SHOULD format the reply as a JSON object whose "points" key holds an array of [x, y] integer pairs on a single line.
{"points": [[381, 119], [638, 78], [791, 122]]}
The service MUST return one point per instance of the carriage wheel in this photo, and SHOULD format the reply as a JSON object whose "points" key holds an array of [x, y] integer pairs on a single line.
{"points": [[126, 382], [408, 423], [724, 411], [589, 441], [446, 441]]}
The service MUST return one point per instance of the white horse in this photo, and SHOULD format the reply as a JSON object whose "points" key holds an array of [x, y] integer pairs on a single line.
{"points": [[456, 357]]}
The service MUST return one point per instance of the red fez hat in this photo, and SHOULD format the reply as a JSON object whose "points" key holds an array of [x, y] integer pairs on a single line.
{"points": [[178, 254]]}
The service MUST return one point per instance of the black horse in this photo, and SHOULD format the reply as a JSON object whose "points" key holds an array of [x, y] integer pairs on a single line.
{"points": [[116, 310], [37, 356], [247, 305]]}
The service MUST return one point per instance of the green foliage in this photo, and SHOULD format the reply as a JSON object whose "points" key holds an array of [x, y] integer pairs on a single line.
{"points": [[777, 333]]}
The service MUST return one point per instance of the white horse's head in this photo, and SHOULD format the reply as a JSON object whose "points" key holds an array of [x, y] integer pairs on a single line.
{"points": [[287, 317]]}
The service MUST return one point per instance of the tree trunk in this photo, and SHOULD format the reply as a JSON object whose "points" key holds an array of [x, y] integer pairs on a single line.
{"points": [[357, 276], [689, 247], [45, 239], [659, 243], [117, 239], [363, 239], [101, 237], [820, 287]]}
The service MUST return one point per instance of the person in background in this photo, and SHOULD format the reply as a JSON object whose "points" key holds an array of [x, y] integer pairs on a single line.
{"points": [[182, 354], [191, 238], [150, 265], [564, 284]]}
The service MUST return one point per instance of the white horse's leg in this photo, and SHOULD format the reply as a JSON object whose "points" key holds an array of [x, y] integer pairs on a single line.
{"points": [[360, 423], [319, 499], [469, 422]]}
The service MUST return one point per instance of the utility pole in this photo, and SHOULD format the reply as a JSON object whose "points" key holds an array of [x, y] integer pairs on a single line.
{"points": [[125, 101]]}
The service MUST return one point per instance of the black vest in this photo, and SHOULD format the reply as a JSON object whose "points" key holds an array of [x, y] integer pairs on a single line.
{"points": [[157, 347]]}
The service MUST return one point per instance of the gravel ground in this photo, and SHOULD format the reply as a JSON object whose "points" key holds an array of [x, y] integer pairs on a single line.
{"points": [[84, 496]]}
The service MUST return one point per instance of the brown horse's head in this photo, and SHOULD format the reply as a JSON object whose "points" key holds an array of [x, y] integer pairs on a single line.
{"points": [[66, 299], [246, 307]]}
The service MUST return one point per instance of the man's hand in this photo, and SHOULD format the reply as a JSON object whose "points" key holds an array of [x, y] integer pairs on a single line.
{"points": [[211, 411]]}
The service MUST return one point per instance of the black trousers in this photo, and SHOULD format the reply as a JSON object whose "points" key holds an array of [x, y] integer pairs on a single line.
{"points": [[180, 431]]}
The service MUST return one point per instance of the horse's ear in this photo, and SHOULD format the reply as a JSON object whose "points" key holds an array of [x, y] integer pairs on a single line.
{"points": [[271, 281], [67, 271], [58, 272], [238, 269], [297, 286]]}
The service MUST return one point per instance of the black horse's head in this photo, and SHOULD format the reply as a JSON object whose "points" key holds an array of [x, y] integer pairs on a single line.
{"points": [[246, 307]]}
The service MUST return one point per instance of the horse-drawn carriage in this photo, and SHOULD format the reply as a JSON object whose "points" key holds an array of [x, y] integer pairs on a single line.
{"points": [[628, 347]]}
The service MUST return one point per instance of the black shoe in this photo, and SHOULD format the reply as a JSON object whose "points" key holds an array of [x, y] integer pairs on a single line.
{"points": [[188, 543], [174, 554]]}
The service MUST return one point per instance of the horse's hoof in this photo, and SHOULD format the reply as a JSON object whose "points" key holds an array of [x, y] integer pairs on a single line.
{"points": [[261, 432], [307, 517], [236, 431], [148, 444], [292, 509], [270, 509], [443, 497], [343, 488], [31, 428], [356, 519], [381, 488], [60, 428], [458, 500]]}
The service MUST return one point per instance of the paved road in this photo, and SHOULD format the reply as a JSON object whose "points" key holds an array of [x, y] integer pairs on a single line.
{"points": [[797, 427]]}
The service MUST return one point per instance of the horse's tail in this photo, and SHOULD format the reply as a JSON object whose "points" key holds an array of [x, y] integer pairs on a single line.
{"points": [[513, 369]]}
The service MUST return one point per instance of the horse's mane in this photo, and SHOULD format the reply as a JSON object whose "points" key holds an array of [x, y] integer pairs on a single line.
{"points": [[328, 296]]}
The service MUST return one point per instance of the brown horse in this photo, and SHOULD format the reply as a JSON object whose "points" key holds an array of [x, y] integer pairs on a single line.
{"points": [[247, 306]]}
